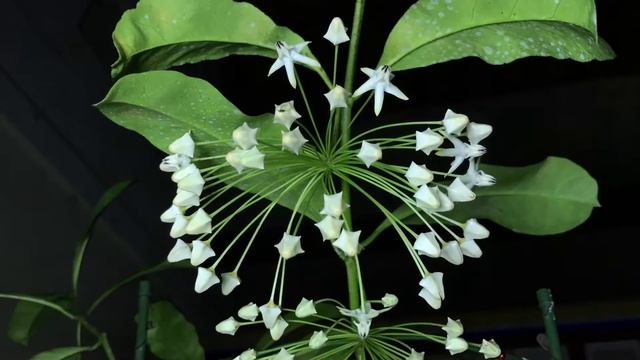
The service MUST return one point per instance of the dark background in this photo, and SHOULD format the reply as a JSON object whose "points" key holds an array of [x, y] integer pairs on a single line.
{"points": [[59, 154]]}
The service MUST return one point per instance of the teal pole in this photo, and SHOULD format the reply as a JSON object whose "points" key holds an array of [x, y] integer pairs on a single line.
{"points": [[144, 292], [546, 304]]}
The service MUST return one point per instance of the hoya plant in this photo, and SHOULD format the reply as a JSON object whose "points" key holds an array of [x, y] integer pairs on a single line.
{"points": [[310, 160]]}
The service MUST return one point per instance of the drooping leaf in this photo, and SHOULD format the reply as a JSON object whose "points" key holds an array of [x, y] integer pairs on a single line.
{"points": [[160, 34], [111, 194], [163, 105], [550, 197], [497, 31], [28, 317], [171, 336], [62, 353]]}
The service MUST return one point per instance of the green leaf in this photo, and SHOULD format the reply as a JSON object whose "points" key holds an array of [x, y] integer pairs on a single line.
{"points": [[39, 300], [497, 31], [550, 197], [28, 317], [62, 353], [159, 34], [171, 336], [163, 105], [111, 194]]}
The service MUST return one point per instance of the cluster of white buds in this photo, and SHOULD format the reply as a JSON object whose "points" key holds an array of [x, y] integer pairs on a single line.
{"points": [[190, 185], [455, 344], [246, 155], [331, 226]]}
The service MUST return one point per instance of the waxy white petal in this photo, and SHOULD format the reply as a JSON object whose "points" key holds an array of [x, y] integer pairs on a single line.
{"points": [[330, 227], [248, 312], [452, 253], [289, 246], [454, 123], [369, 153], [337, 97], [453, 328], [230, 281], [270, 313], [285, 114], [337, 33], [317, 339], [180, 251], [228, 326], [293, 140], [201, 251], [459, 192], [244, 136], [174, 162], [206, 278], [426, 244], [200, 223], [348, 242], [305, 308]]}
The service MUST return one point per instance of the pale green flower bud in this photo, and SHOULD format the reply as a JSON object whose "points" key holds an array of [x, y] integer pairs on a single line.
{"points": [[389, 300], [317, 339], [305, 308], [248, 312], [228, 326]]}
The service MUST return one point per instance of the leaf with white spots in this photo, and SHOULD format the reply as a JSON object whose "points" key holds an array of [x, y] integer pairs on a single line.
{"points": [[497, 31], [163, 105], [160, 34]]}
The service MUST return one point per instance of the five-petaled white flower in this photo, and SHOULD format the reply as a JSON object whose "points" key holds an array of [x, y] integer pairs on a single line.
{"points": [[330, 227], [380, 82], [369, 153], [333, 205], [285, 114], [289, 246], [289, 54], [245, 136], [337, 97], [348, 242], [475, 177], [337, 33], [461, 151], [293, 140]]}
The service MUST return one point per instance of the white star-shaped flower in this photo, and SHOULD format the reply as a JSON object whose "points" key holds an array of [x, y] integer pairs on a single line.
{"points": [[459, 192], [206, 278], [348, 242], [317, 339], [285, 114], [428, 140], [287, 56], [230, 281], [330, 227], [418, 175], [337, 97], [245, 136], [293, 140], [201, 251], [333, 205], [180, 251], [426, 244], [362, 317], [337, 33], [241, 159], [289, 246], [453, 328], [490, 349], [474, 177], [461, 151], [184, 145], [174, 162], [380, 82], [454, 123], [228, 326], [369, 153], [477, 132], [200, 223]]}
